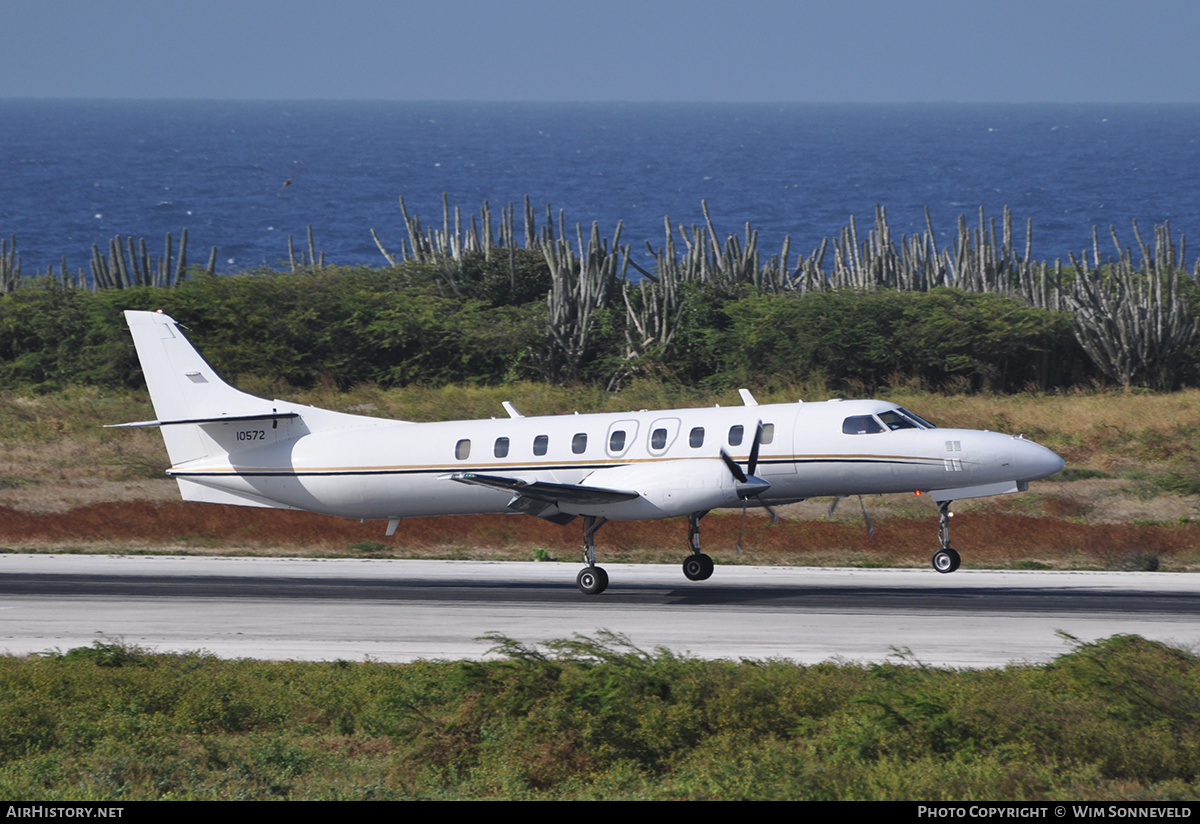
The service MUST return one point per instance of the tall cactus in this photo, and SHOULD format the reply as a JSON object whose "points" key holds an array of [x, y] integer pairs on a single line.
{"points": [[1133, 322], [128, 264], [10, 266], [580, 289]]}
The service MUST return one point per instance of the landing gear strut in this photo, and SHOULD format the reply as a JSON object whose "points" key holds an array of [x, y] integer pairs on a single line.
{"points": [[945, 560], [697, 566], [592, 580]]}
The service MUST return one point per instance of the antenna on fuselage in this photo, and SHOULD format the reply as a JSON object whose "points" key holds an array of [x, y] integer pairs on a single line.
{"points": [[747, 398], [511, 410]]}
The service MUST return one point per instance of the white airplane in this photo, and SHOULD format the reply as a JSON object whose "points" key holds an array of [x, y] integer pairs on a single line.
{"points": [[229, 447]]}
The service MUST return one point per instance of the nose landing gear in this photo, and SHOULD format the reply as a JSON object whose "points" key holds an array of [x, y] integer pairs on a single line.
{"points": [[592, 580], [945, 560]]}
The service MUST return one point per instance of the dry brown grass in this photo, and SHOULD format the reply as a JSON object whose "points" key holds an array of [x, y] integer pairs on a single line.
{"points": [[68, 483], [986, 539]]}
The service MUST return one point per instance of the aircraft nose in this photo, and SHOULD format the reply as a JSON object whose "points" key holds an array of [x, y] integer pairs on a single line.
{"points": [[1034, 461]]}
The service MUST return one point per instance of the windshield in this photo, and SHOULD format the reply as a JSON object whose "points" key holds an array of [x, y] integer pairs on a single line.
{"points": [[894, 420], [861, 425], [924, 424]]}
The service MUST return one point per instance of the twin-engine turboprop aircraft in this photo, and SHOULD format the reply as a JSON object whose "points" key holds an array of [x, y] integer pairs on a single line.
{"points": [[230, 447]]}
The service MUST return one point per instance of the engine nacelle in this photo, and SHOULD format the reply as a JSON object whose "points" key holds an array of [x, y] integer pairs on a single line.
{"points": [[668, 489]]}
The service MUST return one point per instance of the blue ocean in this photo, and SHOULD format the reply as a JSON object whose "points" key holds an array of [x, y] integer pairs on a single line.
{"points": [[242, 176]]}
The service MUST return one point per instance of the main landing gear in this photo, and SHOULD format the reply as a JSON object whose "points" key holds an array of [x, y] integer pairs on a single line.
{"points": [[697, 566], [945, 560], [591, 580]]}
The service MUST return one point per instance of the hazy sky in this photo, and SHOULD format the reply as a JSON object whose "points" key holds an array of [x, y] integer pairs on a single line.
{"points": [[628, 50]]}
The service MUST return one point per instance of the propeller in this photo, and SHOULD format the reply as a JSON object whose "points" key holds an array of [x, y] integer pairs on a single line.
{"points": [[749, 485], [866, 517]]}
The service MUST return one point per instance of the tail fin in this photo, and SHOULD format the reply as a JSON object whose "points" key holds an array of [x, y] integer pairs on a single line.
{"points": [[183, 386], [202, 416], [186, 392]]}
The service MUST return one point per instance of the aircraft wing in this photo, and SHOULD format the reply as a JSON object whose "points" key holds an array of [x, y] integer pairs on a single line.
{"points": [[546, 491], [541, 498]]}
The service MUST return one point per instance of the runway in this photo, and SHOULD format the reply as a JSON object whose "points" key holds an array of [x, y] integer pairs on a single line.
{"points": [[386, 610]]}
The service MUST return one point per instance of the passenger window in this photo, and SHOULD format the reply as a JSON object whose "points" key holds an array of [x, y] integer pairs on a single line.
{"points": [[616, 441], [696, 439], [768, 433], [540, 443], [462, 449], [658, 439], [579, 443], [735, 435], [501, 450], [861, 425]]}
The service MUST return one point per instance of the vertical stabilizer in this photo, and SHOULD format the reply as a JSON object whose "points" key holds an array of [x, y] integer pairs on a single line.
{"points": [[184, 387], [181, 382]]}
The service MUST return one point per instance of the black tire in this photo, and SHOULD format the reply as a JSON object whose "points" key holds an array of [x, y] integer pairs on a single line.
{"points": [[592, 580], [946, 561], [697, 567], [955, 558]]}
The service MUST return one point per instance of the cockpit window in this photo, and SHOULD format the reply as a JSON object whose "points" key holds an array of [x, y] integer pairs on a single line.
{"points": [[924, 424], [894, 420], [861, 425]]}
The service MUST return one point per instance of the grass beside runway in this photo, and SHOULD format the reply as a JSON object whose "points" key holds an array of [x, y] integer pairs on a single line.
{"points": [[1129, 498], [597, 718]]}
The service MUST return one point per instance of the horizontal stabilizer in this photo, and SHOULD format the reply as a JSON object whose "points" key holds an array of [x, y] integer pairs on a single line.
{"points": [[266, 416]]}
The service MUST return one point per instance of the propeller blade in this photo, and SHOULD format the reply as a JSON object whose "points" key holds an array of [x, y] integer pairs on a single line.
{"points": [[741, 529], [837, 500], [753, 464], [734, 469], [866, 517]]}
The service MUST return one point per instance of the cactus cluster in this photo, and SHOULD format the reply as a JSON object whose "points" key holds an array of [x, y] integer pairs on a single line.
{"points": [[1133, 319]]}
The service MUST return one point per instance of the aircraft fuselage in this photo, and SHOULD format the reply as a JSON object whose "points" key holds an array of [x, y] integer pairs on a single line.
{"points": [[671, 457]]}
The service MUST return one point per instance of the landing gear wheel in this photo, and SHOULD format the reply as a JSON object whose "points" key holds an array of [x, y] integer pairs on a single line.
{"points": [[698, 567], [946, 560], [592, 580]]}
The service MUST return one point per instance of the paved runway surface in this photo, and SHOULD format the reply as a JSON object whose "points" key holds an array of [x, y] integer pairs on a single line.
{"points": [[403, 610]]}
